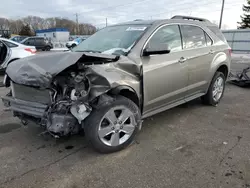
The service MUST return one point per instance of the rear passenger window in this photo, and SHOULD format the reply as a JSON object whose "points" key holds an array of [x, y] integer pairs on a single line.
{"points": [[169, 36], [193, 37], [39, 41]]}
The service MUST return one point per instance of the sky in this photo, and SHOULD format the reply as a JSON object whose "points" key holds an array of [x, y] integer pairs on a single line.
{"points": [[116, 11]]}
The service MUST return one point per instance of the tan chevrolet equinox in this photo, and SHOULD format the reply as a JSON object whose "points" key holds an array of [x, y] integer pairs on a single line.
{"points": [[123, 73]]}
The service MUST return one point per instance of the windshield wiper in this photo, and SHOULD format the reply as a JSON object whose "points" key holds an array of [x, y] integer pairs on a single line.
{"points": [[93, 51]]}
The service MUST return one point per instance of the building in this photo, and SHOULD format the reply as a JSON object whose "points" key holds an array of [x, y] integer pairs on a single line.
{"points": [[238, 39], [54, 34]]}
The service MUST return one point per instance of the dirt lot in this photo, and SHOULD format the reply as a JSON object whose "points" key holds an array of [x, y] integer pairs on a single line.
{"points": [[191, 146]]}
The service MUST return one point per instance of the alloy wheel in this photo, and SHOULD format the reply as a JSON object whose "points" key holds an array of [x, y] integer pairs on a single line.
{"points": [[117, 126], [218, 88]]}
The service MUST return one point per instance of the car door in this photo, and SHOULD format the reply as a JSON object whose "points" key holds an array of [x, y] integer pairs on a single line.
{"points": [[30, 42], [5, 54], [197, 50], [39, 43], [165, 76]]}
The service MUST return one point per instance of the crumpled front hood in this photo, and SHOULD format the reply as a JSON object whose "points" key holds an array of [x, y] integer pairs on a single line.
{"points": [[39, 70]]}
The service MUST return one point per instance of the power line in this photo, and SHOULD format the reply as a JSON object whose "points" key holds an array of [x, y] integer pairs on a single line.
{"points": [[116, 6], [176, 8], [123, 5], [194, 5], [188, 8]]}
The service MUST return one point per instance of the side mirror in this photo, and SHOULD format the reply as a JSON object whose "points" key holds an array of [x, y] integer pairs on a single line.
{"points": [[159, 49]]}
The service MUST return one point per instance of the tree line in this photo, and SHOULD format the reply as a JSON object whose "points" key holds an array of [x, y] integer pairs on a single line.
{"points": [[245, 18], [33, 23]]}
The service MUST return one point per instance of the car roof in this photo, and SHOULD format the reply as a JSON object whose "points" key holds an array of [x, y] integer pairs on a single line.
{"points": [[176, 19], [32, 38], [36, 37], [11, 41]]}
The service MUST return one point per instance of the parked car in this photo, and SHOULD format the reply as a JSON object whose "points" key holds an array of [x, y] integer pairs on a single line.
{"points": [[11, 51], [40, 43], [74, 43], [123, 73], [18, 38]]}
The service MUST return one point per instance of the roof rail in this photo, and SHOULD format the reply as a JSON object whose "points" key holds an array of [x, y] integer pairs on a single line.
{"points": [[190, 18]]}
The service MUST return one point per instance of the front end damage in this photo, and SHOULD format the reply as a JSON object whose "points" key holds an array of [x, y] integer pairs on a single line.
{"points": [[59, 91]]}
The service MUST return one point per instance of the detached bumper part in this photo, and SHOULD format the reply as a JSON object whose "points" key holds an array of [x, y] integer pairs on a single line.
{"points": [[29, 108], [241, 79]]}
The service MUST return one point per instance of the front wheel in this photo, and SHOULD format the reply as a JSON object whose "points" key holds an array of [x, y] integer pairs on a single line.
{"points": [[216, 90], [113, 126]]}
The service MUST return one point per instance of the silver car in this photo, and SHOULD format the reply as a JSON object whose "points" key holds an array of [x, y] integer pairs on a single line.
{"points": [[118, 76]]}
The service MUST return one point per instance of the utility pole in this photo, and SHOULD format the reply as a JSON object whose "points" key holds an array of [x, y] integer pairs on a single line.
{"points": [[221, 13], [77, 23], [106, 22]]}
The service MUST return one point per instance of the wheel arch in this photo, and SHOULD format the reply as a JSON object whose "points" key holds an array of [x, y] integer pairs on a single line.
{"points": [[224, 69], [128, 92], [14, 59]]}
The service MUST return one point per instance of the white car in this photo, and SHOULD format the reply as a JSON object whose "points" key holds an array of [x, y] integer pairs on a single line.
{"points": [[11, 51], [74, 43]]}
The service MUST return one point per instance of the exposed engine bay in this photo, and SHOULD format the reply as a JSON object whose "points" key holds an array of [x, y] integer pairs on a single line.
{"points": [[59, 101], [70, 105]]}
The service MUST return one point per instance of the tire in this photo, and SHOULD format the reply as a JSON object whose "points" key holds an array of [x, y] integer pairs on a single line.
{"points": [[47, 48], [73, 45], [209, 98], [94, 122]]}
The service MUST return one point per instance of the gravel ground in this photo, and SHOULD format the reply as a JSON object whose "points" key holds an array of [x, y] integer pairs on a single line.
{"points": [[190, 146]]}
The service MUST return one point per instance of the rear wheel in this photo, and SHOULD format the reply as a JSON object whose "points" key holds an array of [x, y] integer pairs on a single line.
{"points": [[47, 48], [113, 126], [216, 90]]}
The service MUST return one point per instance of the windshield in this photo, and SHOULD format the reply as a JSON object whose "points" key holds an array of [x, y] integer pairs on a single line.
{"points": [[116, 40]]}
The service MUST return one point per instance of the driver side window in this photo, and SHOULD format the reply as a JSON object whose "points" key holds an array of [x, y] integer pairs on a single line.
{"points": [[168, 36], [29, 41]]}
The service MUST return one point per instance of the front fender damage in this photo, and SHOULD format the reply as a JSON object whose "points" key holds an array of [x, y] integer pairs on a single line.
{"points": [[78, 83]]}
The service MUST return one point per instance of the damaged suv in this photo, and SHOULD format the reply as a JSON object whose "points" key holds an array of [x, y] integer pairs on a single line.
{"points": [[118, 76]]}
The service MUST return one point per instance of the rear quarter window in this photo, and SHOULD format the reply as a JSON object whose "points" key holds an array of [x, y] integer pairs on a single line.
{"points": [[217, 32], [10, 44]]}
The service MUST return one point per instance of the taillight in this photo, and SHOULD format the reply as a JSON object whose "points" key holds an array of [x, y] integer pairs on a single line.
{"points": [[230, 51], [33, 51]]}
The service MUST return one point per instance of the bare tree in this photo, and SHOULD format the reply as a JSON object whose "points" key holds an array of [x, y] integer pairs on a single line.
{"points": [[49, 23], [16, 26], [36, 23], [4, 24], [87, 29]]}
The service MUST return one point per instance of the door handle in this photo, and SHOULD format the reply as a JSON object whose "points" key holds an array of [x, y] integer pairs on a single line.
{"points": [[182, 60], [211, 52]]}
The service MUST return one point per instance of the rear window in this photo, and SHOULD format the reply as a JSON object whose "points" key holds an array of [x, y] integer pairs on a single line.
{"points": [[10, 44], [217, 32]]}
